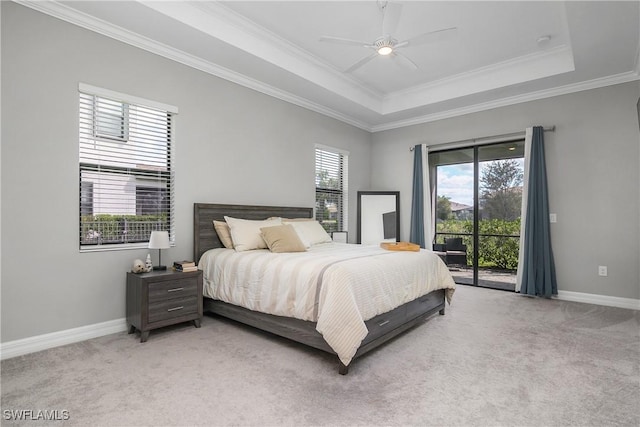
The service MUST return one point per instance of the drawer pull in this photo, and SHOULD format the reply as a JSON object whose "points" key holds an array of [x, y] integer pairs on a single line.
{"points": [[383, 323], [175, 308], [175, 289]]}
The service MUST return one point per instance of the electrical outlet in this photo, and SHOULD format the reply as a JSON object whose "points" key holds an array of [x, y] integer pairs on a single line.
{"points": [[553, 217], [602, 270]]}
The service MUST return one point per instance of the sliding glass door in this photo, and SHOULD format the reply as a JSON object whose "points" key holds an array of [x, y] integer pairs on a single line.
{"points": [[478, 200]]}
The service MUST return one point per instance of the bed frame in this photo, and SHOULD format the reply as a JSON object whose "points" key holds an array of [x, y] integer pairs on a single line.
{"points": [[381, 328]]}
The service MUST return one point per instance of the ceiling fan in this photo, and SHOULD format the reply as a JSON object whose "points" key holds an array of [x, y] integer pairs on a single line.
{"points": [[386, 44]]}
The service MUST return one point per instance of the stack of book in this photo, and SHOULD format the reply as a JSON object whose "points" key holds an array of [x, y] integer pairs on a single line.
{"points": [[185, 266]]}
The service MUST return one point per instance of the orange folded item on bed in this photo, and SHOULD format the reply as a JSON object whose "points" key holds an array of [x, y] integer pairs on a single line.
{"points": [[400, 246]]}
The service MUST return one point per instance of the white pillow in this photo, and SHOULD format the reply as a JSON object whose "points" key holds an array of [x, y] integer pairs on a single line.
{"points": [[246, 234], [310, 232]]}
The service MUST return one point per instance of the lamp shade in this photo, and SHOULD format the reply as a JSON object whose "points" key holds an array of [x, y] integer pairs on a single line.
{"points": [[159, 240]]}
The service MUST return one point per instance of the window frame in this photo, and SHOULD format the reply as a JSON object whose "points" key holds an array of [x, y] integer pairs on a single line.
{"points": [[342, 192], [116, 169]]}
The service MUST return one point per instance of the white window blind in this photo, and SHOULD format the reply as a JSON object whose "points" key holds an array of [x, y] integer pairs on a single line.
{"points": [[126, 177], [331, 188]]}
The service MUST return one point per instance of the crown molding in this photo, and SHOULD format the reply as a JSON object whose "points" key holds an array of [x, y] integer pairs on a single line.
{"points": [[517, 70], [224, 24], [72, 16], [231, 17], [504, 102]]}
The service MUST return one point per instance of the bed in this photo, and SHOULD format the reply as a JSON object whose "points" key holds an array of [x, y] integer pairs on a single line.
{"points": [[304, 328]]}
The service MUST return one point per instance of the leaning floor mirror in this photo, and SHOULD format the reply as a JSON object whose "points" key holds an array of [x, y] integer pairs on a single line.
{"points": [[378, 217]]}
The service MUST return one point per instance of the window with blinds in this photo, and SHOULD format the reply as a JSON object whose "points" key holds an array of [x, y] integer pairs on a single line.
{"points": [[126, 176], [331, 188]]}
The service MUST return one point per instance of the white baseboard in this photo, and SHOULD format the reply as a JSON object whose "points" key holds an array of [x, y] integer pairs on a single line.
{"points": [[630, 303], [55, 339]]}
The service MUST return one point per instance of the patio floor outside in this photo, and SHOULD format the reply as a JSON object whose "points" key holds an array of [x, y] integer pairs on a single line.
{"points": [[488, 278]]}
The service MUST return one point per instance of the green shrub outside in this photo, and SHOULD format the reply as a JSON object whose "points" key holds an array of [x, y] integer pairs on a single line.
{"points": [[112, 226], [493, 252]]}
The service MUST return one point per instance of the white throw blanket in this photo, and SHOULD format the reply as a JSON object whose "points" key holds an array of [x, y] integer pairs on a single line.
{"points": [[337, 285]]}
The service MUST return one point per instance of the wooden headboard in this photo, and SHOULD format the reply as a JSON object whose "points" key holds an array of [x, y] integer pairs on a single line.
{"points": [[205, 236]]}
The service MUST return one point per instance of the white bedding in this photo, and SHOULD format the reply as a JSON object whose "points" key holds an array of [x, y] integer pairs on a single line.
{"points": [[337, 285]]}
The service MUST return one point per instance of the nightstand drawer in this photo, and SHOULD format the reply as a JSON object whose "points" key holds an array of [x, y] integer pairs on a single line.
{"points": [[172, 308], [170, 289]]}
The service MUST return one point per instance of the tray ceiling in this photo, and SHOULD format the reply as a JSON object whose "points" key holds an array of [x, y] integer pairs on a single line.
{"points": [[500, 53]]}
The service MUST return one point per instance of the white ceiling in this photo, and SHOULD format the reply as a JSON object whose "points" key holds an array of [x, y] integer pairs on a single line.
{"points": [[493, 58]]}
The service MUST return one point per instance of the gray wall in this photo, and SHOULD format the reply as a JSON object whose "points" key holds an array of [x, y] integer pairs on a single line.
{"points": [[593, 159], [233, 145]]}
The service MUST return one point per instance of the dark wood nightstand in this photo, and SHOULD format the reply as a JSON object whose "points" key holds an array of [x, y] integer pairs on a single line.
{"points": [[162, 298]]}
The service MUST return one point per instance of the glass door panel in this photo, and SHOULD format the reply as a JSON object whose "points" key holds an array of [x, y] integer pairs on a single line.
{"points": [[454, 211], [500, 178]]}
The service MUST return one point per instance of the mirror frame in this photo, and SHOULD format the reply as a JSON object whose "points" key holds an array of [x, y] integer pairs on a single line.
{"points": [[367, 194]]}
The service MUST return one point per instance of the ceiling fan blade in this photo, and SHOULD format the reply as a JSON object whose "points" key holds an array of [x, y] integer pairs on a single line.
{"points": [[390, 18], [340, 40], [431, 36], [360, 63], [404, 62]]}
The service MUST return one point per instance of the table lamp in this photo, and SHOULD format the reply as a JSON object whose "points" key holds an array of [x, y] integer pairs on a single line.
{"points": [[159, 240]]}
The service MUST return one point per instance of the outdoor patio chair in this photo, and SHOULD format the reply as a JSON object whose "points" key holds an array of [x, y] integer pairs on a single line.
{"points": [[456, 251]]}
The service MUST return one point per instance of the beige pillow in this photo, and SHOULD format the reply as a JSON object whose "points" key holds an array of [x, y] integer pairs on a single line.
{"points": [[282, 238], [310, 232], [246, 234], [224, 233]]}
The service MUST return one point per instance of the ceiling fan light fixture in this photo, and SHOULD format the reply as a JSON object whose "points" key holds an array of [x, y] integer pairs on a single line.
{"points": [[384, 45]]}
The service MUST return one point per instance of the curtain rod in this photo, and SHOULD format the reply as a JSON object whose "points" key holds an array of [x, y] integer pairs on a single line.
{"points": [[493, 138]]}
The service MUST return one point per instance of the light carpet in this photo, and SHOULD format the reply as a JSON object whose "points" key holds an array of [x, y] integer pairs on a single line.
{"points": [[495, 359]]}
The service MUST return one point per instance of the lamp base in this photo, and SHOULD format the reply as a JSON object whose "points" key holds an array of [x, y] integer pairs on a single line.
{"points": [[159, 268]]}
